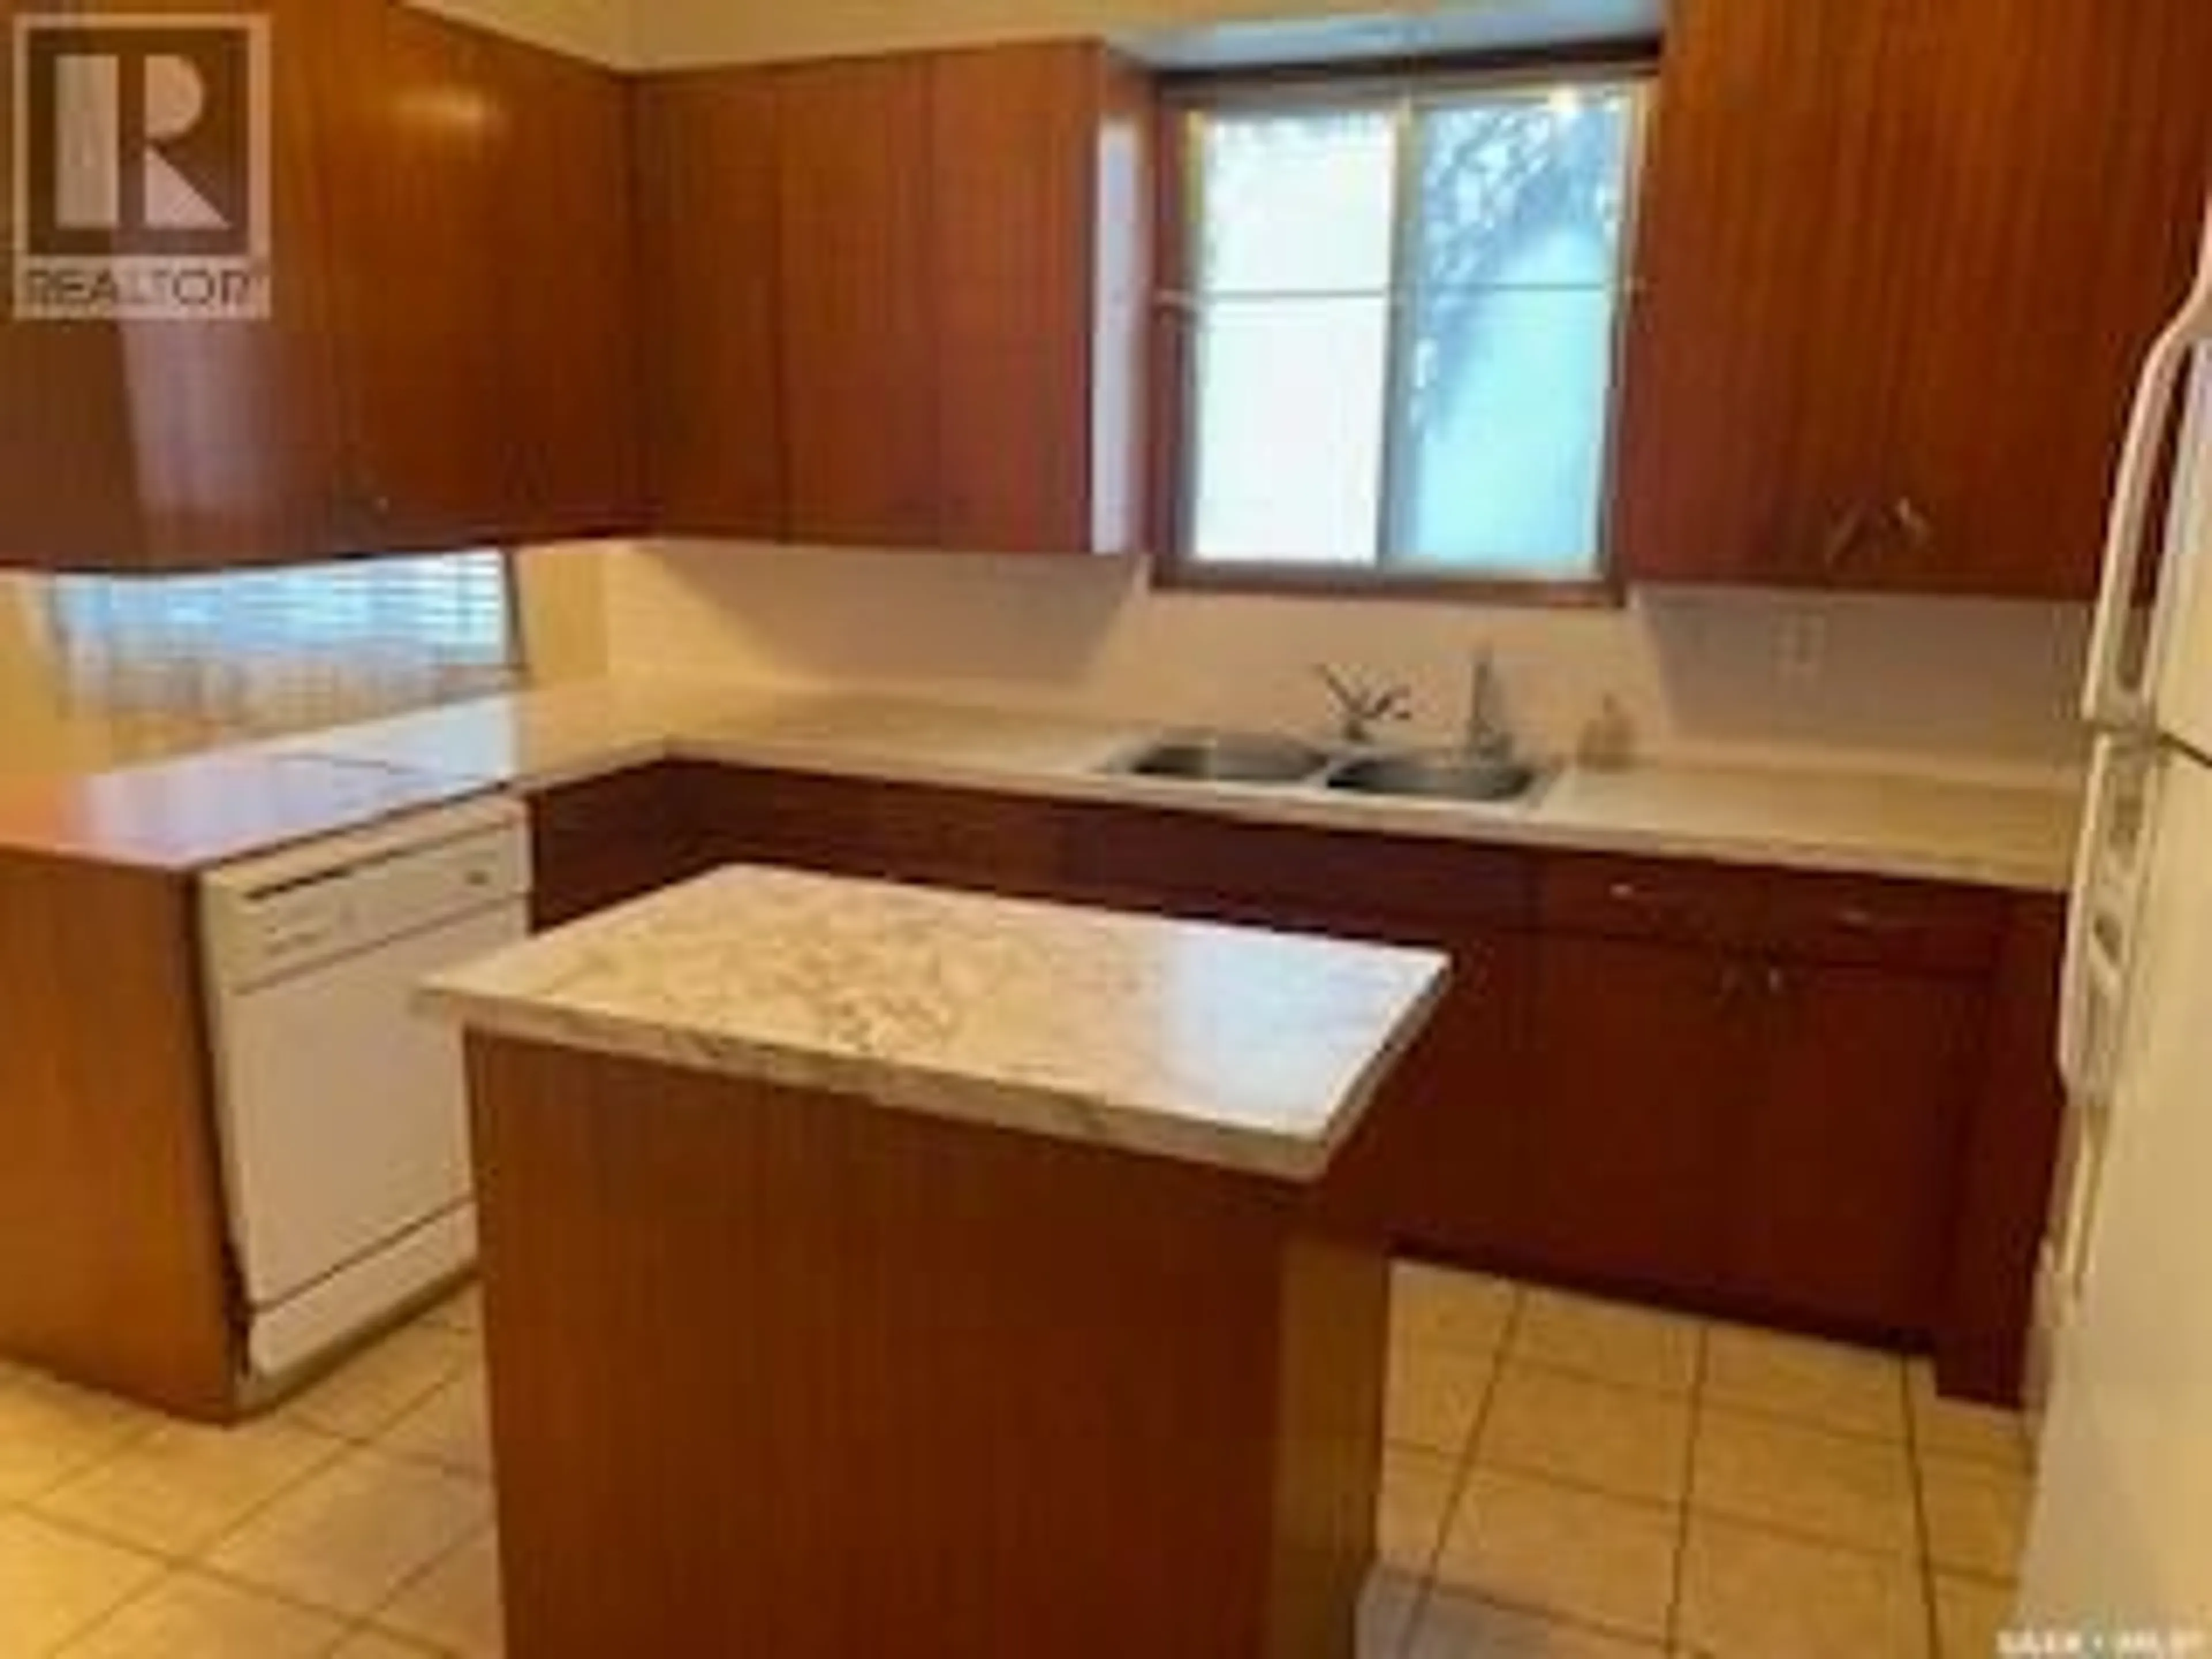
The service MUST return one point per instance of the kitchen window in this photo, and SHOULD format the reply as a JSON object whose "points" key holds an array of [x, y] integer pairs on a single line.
{"points": [[275, 650], [1400, 309]]}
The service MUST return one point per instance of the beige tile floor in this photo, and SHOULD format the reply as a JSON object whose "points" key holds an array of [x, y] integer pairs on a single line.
{"points": [[1566, 1480], [1569, 1479]]}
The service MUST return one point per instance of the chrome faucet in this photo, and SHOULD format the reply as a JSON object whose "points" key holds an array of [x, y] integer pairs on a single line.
{"points": [[1489, 735], [1360, 709]]}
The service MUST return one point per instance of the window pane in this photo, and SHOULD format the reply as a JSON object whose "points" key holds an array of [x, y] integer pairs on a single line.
{"points": [[1506, 357], [1288, 439], [1296, 200]]}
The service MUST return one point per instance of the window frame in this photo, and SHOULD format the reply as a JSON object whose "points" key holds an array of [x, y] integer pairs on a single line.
{"points": [[1179, 199]]}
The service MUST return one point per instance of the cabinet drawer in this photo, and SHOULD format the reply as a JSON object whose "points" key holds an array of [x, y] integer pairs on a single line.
{"points": [[1296, 872], [1640, 899], [1852, 920], [902, 831]]}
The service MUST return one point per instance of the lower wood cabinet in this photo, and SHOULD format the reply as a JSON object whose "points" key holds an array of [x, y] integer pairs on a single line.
{"points": [[1639, 1063], [1825, 1101], [1840, 1175]]}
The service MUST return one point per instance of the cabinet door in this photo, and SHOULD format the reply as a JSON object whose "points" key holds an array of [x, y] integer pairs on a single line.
{"points": [[1437, 1167], [410, 179], [2061, 187], [606, 841], [155, 445], [568, 310], [1762, 348], [1641, 1058], [1038, 233], [710, 282], [1842, 1173], [861, 354]]}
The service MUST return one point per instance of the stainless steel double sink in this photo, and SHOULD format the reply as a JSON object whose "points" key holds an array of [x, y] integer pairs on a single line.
{"points": [[1286, 763]]}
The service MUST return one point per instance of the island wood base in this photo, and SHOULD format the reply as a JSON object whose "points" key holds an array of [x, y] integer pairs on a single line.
{"points": [[789, 1375]]}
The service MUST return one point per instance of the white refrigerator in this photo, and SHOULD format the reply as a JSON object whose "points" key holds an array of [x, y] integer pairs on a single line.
{"points": [[2120, 1545]]}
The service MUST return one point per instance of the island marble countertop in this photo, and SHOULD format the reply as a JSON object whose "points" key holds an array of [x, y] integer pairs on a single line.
{"points": [[2016, 838], [1229, 1047]]}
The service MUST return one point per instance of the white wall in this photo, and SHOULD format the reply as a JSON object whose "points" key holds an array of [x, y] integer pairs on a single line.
{"points": [[1962, 689]]}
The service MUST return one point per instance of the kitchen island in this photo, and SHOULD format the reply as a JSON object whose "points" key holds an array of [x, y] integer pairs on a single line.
{"points": [[873, 1270]]}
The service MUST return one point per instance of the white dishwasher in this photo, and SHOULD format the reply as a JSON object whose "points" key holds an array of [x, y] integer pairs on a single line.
{"points": [[343, 1115]]}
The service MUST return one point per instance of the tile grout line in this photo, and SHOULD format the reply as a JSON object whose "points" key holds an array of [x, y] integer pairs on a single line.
{"points": [[1699, 1373], [371, 1621], [1463, 1471], [1931, 1617], [336, 1446]]}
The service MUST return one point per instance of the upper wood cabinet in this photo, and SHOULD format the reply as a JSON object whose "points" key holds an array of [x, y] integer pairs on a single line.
{"points": [[919, 321], [479, 245], [175, 444], [449, 359], [1899, 262], [707, 213], [860, 362], [569, 307]]}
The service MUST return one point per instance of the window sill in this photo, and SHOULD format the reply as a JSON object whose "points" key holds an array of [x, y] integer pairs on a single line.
{"points": [[1305, 581]]}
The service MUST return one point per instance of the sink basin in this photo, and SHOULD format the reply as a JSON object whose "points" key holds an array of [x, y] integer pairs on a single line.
{"points": [[1438, 777], [1222, 759]]}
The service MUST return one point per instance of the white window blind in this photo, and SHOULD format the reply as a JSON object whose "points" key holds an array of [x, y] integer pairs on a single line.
{"points": [[279, 650]]}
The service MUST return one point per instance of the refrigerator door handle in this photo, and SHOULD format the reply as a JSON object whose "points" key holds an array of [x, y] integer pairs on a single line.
{"points": [[2118, 701], [2114, 701], [2107, 880]]}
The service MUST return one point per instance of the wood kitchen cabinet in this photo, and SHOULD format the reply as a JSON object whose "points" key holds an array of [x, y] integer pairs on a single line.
{"points": [[1899, 262], [708, 268], [411, 163], [909, 300], [565, 283], [1824, 1101], [168, 445], [1754, 1088], [447, 364], [1639, 1063], [860, 354], [480, 252], [1841, 1172]]}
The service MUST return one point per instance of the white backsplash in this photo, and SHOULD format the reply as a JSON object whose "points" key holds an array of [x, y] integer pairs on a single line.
{"points": [[1970, 690]]}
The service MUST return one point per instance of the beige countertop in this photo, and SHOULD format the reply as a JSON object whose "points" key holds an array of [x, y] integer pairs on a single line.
{"points": [[204, 810], [1231, 1046], [2016, 838]]}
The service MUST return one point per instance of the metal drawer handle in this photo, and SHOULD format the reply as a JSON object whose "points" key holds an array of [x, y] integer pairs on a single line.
{"points": [[1857, 920]]}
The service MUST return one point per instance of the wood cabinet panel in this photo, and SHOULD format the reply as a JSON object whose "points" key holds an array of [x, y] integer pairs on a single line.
{"points": [[1683, 903], [1769, 273], [149, 446], [2002, 1205], [606, 841], [112, 1267], [710, 274], [1841, 1175], [411, 166], [1039, 242], [1437, 1167], [2061, 186], [1012, 145], [1641, 1062], [567, 295], [1900, 260], [862, 353], [741, 1337], [1747, 1090]]}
